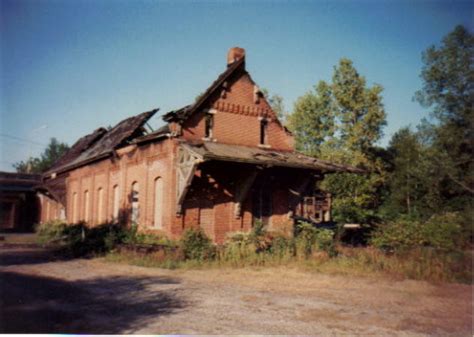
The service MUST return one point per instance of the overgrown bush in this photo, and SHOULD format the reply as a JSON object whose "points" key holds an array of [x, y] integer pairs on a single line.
{"points": [[283, 247], [310, 239], [421, 263], [444, 231], [325, 241], [440, 231], [238, 247], [79, 239], [133, 236], [196, 245], [50, 232]]}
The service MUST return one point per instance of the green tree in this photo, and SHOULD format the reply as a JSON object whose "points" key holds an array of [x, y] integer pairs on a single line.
{"points": [[341, 122], [50, 155], [359, 109], [312, 120], [409, 176], [277, 104], [448, 88]]}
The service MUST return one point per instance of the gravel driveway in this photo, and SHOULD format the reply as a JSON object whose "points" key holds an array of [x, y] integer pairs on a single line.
{"points": [[41, 294]]}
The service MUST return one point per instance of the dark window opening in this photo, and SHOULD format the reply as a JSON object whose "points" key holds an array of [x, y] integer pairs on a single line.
{"points": [[262, 201], [209, 124], [263, 132]]}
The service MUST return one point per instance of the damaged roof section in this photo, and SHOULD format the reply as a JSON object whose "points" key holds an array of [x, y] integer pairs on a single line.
{"points": [[80, 146], [236, 153], [164, 131], [187, 111], [101, 144]]}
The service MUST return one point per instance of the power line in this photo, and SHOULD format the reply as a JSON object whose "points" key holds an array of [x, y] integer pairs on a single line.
{"points": [[22, 139]]}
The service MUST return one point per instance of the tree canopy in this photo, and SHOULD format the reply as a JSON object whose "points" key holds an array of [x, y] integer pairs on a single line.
{"points": [[277, 104], [448, 88], [342, 122], [50, 155]]}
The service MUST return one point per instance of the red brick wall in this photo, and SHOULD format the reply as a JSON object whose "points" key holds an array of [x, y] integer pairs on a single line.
{"points": [[50, 209], [134, 164], [236, 120]]}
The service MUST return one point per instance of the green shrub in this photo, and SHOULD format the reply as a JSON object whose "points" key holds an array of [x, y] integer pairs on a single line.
{"points": [[305, 239], [444, 231], [397, 235], [440, 231], [238, 249], [324, 240], [310, 239], [51, 232], [283, 247], [133, 236], [259, 237], [196, 245]]}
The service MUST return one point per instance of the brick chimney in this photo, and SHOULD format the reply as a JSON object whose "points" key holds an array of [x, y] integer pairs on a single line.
{"points": [[235, 54]]}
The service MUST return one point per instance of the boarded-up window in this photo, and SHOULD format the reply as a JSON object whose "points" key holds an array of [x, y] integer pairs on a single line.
{"points": [[86, 206], [158, 203], [100, 205], [135, 203], [116, 202], [48, 215], [62, 214], [74, 207]]}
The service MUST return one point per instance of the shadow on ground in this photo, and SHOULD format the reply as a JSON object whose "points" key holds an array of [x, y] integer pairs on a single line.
{"points": [[36, 304], [19, 254]]}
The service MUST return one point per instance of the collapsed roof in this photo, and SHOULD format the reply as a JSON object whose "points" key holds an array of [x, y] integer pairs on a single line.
{"points": [[101, 143], [79, 147]]}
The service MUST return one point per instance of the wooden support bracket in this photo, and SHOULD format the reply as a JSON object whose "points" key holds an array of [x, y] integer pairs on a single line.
{"points": [[185, 169]]}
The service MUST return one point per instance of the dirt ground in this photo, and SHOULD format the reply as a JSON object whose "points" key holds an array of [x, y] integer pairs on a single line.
{"points": [[40, 293]]}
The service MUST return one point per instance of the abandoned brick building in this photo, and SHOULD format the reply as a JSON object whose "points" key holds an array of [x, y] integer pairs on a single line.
{"points": [[220, 164]]}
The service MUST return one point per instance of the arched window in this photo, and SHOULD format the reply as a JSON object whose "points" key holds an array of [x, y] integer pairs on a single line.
{"points": [[62, 214], [116, 202], [74, 207], [100, 205], [135, 203], [48, 215], [158, 203], [86, 206]]}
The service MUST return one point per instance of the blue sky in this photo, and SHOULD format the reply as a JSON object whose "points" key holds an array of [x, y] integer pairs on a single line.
{"points": [[68, 67]]}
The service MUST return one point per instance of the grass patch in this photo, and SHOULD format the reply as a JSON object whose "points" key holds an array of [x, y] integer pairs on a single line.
{"points": [[420, 264], [311, 249]]}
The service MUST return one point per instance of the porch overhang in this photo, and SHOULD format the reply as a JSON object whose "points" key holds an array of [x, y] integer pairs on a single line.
{"points": [[191, 155], [208, 151]]}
